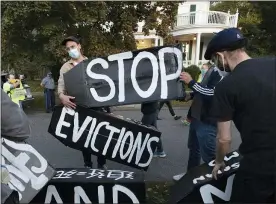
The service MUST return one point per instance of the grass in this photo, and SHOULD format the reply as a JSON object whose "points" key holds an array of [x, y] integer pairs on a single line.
{"points": [[158, 193], [35, 86]]}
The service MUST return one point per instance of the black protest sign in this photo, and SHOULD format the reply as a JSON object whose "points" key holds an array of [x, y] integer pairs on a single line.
{"points": [[117, 139], [127, 78], [93, 186], [198, 185], [29, 172]]}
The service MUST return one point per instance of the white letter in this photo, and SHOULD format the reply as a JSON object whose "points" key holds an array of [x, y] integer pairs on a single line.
{"points": [[112, 131], [52, 191], [101, 194], [116, 188], [164, 77], [78, 131], [153, 85], [234, 154], [130, 144], [79, 193], [140, 148], [92, 127], [207, 190], [212, 163], [96, 134], [201, 178], [235, 165], [100, 76], [121, 71], [116, 148], [153, 139], [21, 160], [61, 121]]}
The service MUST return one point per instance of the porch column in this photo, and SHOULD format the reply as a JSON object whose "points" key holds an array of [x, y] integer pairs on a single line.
{"points": [[198, 36], [156, 42], [161, 41]]}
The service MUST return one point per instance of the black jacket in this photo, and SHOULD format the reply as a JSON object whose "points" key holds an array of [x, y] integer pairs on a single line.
{"points": [[205, 93]]}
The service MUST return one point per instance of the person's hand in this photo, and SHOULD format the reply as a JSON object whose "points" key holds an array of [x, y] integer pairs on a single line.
{"points": [[17, 83], [66, 101], [186, 77], [217, 167]]}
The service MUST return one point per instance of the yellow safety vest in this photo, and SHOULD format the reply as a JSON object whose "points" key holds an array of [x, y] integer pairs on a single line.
{"points": [[17, 94], [199, 78]]}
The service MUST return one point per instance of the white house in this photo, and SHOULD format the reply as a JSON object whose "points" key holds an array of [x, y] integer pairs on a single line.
{"points": [[194, 28]]}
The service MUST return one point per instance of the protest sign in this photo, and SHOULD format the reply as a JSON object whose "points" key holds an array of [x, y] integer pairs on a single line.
{"points": [[28, 171], [127, 78], [198, 185], [120, 140], [93, 186]]}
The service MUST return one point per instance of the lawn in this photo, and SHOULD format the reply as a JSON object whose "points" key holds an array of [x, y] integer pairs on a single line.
{"points": [[35, 86]]}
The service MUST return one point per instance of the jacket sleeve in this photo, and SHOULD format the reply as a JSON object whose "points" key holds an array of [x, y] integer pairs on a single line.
{"points": [[209, 89], [14, 122]]}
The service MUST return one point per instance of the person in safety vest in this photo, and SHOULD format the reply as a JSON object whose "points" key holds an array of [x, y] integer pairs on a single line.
{"points": [[15, 90]]}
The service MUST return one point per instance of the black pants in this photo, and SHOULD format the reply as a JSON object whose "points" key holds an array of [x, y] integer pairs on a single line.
{"points": [[88, 162], [151, 119], [13, 198], [107, 109], [87, 155], [49, 96], [168, 103], [253, 188]]}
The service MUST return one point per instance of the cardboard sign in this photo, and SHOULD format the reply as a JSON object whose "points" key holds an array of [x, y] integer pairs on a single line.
{"points": [[120, 140], [198, 185], [29, 172], [127, 78], [93, 186]]}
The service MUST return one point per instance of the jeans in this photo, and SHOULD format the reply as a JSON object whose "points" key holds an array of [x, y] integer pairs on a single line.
{"points": [[168, 103], [151, 119], [201, 143], [49, 96]]}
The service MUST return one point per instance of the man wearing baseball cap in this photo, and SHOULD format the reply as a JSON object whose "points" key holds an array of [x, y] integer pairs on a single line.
{"points": [[73, 47], [248, 97]]}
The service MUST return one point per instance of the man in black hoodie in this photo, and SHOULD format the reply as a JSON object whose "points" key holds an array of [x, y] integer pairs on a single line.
{"points": [[150, 111], [203, 129]]}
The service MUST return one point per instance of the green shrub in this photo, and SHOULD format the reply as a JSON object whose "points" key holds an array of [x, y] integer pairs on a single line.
{"points": [[194, 71]]}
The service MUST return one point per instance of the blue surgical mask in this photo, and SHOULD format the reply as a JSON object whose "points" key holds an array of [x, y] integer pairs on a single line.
{"points": [[203, 72], [74, 53]]}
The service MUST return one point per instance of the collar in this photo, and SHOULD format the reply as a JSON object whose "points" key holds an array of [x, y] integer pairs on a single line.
{"points": [[72, 62]]}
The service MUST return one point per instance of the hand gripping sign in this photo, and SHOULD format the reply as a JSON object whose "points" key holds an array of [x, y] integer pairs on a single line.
{"points": [[120, 140], [127, 78], [29, 172], [198, 185]]}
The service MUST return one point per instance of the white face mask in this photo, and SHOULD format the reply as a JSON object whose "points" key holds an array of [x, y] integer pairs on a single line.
{"points": [[74, 53]]}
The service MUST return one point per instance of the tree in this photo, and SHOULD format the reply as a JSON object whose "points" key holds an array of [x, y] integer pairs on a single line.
{"points": [[255, 20], [249, 20], [32, 31], [267, 24]]}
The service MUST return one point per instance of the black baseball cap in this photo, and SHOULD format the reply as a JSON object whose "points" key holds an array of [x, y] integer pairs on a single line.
{"points": [[70, 38], [226, 40]]}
